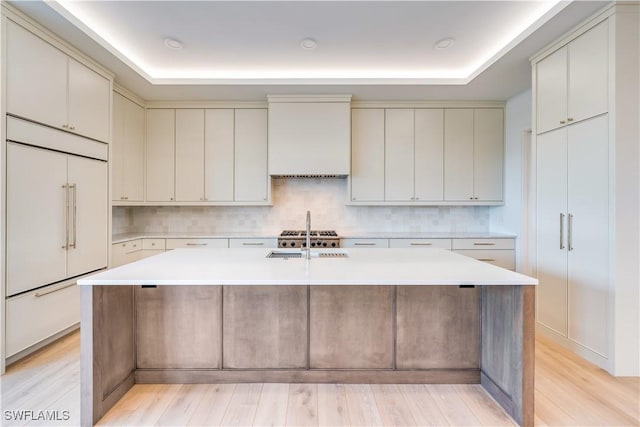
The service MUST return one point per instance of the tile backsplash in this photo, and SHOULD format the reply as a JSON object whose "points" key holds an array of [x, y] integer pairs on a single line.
{"points": [[325, 198]]}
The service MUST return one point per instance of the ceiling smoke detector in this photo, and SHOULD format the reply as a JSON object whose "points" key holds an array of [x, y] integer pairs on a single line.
{"points": [[308, 44], [444, 43], [172, 43]]}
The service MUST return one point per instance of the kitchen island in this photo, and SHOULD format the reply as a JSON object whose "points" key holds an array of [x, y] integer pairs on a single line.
{"points": [[356, 316]]}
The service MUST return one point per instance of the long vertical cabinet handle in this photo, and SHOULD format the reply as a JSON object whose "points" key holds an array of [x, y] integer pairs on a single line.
{"points": [[561, 231], [66, 216], [75, 209], [570, 238]]}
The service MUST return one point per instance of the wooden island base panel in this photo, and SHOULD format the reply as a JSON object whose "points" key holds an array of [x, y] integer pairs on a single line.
{"points": [[306, 333]]}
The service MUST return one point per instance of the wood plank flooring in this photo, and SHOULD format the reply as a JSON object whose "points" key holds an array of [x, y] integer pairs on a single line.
{"points": [[569, 392]]}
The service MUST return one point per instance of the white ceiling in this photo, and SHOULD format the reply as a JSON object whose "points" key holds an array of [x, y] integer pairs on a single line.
{"points": [[243, 50]]}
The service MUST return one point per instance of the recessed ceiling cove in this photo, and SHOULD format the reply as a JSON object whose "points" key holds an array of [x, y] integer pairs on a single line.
{"points": [[355, 42]]}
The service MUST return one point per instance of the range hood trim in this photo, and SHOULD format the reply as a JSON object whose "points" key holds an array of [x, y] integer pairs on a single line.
{"points": [[309, 136]]}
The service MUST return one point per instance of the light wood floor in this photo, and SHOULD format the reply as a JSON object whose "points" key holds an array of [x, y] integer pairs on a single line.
{"points": [[569, 391]]}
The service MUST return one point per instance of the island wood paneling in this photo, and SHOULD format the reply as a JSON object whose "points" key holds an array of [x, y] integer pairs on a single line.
{"points": [[438, 327], [107, 348], [178, 327], [351, 327], [265, 327], [507, 357]]}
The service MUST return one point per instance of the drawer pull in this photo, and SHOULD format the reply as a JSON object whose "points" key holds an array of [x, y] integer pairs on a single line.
{"points": [[421, 244], [364, 244], [196, 244], [487, 259], [483, 244], [252, 244], [50, 291]]}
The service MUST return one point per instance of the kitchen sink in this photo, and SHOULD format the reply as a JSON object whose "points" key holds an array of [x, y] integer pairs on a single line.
{"points": [[317, 253], [284, 254]]}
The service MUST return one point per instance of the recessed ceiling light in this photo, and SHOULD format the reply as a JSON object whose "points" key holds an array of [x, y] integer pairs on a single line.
{"points": [[172, 43], [308, 44], [444, 43]]}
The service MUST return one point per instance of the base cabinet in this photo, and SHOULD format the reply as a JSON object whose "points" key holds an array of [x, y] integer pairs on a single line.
{"points": [[178, 327], [438, 327], [265, 327], [351, 327], [35, 316]]}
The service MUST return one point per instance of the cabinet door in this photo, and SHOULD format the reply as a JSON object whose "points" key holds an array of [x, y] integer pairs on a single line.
{"points": [[89, 102], [588, 203], [190, 155], [133, 150], [117, 147], [89, 211], [251, 179], [218, 154], [36, 217], [398, 147], [118, 254], [488, 154], [160, 155], [36, 78], [367, 154], [458, 154], [588, 74], [551, 91], [550, 236], [429, 155]]}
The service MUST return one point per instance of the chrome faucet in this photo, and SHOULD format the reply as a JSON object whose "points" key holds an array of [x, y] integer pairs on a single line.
{"points": [[308, 235]]}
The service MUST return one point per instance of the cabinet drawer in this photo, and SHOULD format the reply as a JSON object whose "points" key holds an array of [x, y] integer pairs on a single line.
{"points": [[197, 243], [153, 244], [501, 258], [132, 246], [365, 243], [420, 243], [37, 315], [253, 243], [507, 243]]}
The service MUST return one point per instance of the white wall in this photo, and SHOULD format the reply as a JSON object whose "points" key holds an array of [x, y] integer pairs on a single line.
{"points": [[508, 218], [325, 198]]}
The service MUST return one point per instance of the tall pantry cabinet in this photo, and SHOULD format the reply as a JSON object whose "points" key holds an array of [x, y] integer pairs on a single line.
{"points": [[581, 137], [55, 183]]}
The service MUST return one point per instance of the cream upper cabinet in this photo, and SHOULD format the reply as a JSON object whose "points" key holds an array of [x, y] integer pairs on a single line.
{"points": [[488, 154], [428, 154], [398, 135], [47, 86], [551, 87], [572, 82], [89, 102], [367, 154], [190, 159], [473, 154], [458, 154], [588, 74], [251, 179], [127, 146], [36, 78], [219, 154], [160, 155]]}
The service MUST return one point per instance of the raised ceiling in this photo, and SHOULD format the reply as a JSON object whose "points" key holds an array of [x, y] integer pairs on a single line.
{"points": [[373, 49]]}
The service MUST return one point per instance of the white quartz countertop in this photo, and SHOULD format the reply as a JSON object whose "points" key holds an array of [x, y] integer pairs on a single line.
{"points": [[361, 267], [426, 235], [125, 237]]}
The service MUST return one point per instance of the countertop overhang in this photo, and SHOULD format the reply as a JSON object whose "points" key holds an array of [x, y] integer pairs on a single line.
{"points": [[232, 266]]}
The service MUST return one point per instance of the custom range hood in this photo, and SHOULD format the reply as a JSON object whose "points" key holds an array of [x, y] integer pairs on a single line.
{"points": [[309, 136]]}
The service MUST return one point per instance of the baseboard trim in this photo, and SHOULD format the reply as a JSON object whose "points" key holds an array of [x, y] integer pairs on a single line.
{"points": [[573, 346], [372, 376], [37, 346]]}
